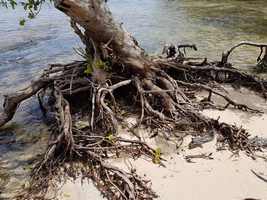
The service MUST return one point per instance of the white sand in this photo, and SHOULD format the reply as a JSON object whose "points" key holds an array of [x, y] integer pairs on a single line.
{"points": [[226, 177], [75, 190]]}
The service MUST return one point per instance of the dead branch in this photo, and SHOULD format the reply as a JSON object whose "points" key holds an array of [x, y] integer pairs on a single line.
{"points": [[225, 97], [12, 101], [225, 56], [189, 158], [259, 176]]}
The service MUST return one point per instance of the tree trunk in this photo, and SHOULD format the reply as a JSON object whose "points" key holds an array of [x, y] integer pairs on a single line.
{"points": [[98, 24]]}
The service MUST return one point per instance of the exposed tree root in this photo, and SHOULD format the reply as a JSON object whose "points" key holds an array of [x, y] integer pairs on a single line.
{"points": [[225, 97], [87, 113], [12, 101], [262, 60]]}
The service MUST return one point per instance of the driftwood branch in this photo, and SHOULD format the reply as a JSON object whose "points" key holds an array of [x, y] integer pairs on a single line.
{"points": [[262, 47], [259, 176], [12, 101]]}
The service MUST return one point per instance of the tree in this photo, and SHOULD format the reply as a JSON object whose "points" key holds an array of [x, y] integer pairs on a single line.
{"points": [[117, 75]]}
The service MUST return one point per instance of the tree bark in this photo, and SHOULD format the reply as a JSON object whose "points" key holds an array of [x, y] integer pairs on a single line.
{"points": [[12, 101], [98, 24]]}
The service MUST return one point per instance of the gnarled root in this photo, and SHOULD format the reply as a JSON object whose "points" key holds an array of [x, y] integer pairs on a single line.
{"points": [[261, 60], [164, 97], [12, 101]]}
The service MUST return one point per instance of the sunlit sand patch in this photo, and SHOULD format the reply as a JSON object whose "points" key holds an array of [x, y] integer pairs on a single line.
{"points": [[222, 176], [78, 190]]}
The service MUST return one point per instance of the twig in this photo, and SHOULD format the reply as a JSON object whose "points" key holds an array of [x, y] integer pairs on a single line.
{"points": [[259, 176]]}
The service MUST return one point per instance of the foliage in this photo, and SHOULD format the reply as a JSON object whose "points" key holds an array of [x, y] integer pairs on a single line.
{"points": [[22, 22], [157, 155], [91, 63], [110, 138], [31, 7], [98, 64]]}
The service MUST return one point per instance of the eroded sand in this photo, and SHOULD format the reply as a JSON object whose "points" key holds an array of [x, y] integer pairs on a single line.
{"points": [[225, 177]]}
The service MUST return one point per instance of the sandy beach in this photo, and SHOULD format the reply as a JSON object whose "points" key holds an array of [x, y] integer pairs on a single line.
{"points": [[224, 176]]}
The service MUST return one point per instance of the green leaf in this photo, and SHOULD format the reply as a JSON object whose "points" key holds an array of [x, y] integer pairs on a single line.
{"points": [[22, 22], [3, 3], [157, 156], [88, 70], [13, 3], [99, 64], [31, 15], [110, 137]]}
